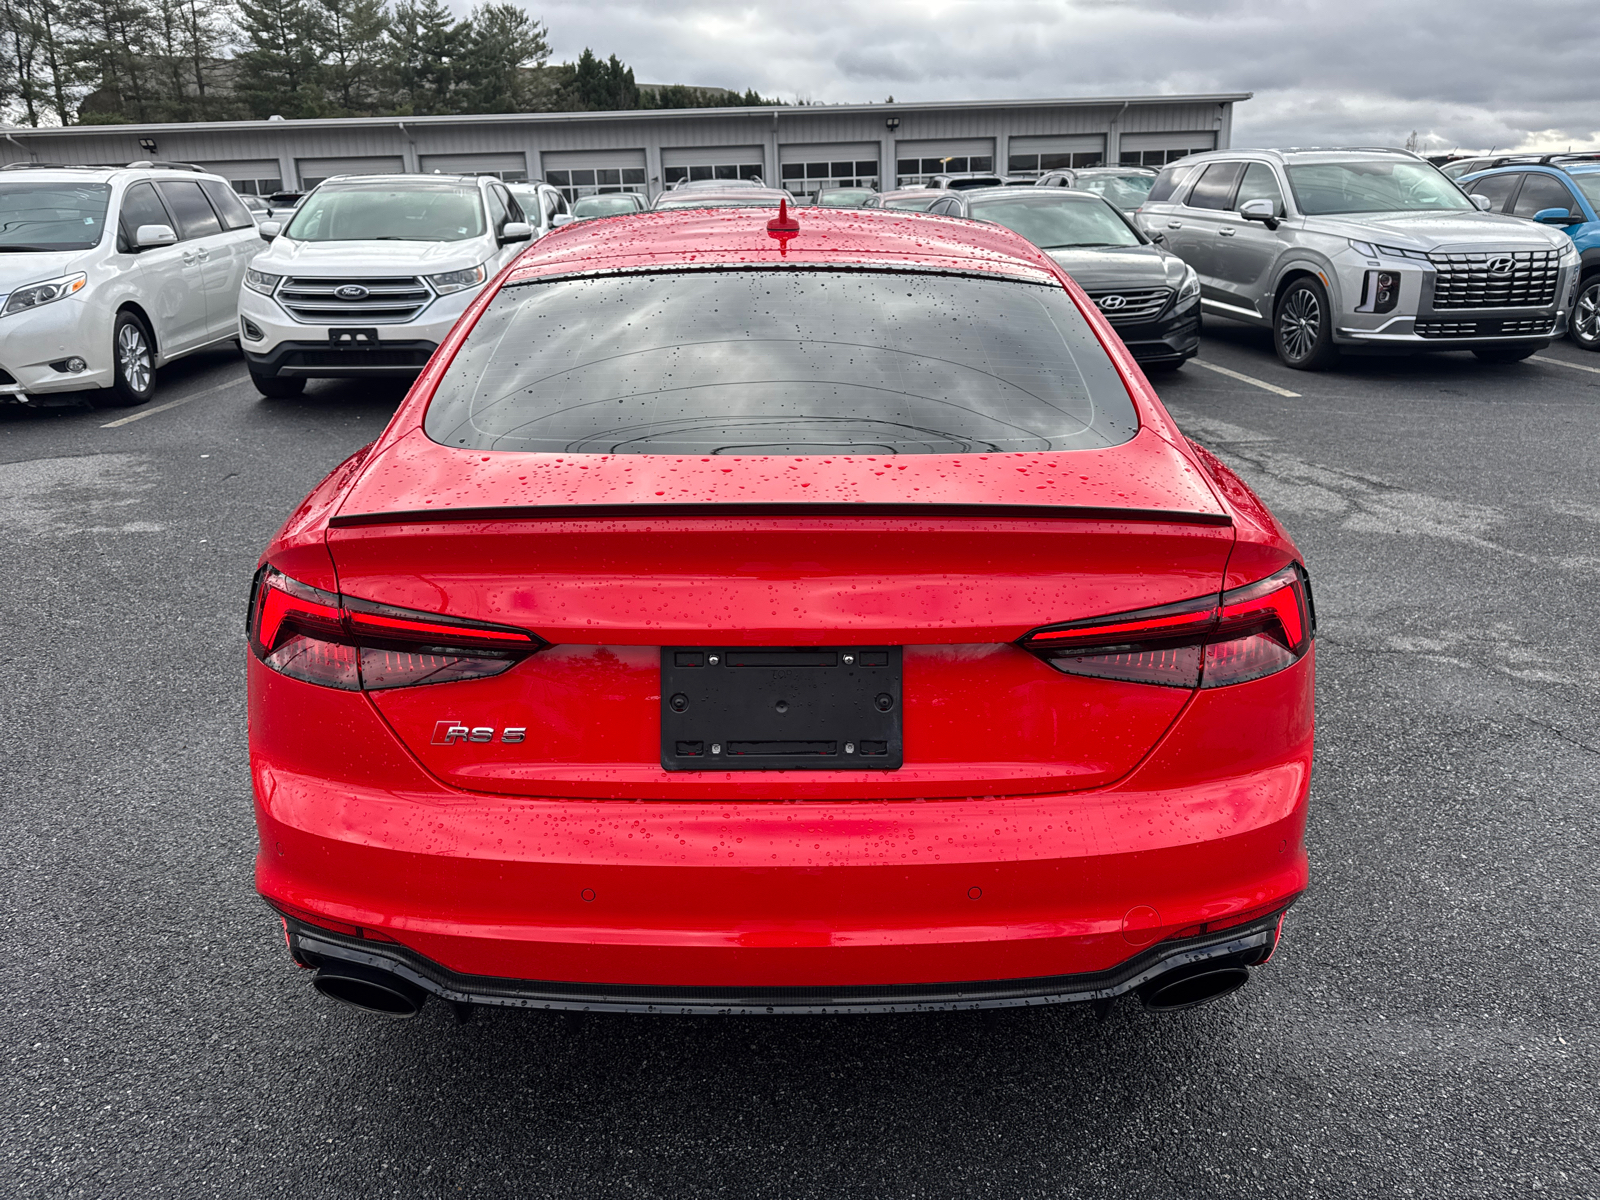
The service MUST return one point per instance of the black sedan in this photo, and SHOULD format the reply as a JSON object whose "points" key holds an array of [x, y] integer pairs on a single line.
{"points": [[1150, 296]]}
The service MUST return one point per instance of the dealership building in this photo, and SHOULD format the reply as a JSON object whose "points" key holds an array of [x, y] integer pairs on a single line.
{"points": [[805, 147]]}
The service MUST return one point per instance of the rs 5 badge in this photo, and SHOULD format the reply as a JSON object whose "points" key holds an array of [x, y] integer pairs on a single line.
{"points": [[447, 733]]}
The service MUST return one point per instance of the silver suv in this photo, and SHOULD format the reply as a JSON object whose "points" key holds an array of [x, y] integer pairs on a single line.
{"points": [[1360, 250]]}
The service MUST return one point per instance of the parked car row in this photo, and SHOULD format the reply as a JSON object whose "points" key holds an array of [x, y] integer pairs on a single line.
{"points": [[112, 272]]}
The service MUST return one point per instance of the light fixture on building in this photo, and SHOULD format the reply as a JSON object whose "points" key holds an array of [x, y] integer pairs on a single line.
{"points": [[148, 145], [893, 123]]}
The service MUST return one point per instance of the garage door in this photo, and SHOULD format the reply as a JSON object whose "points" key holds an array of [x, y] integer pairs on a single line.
{"points": [[807, 168], [712, 162], [589, 172], [1158, 149], [314, 170], [918, 160], [1031, 155], [513, 168], [250, 176]]}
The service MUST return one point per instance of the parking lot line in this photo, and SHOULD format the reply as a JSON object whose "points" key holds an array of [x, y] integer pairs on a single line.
{"points": [[150, 412], [1254, 382], [1556, 362]]}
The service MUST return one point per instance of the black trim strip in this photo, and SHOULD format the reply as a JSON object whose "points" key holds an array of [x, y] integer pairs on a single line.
{"points": [[1246, 945], [647, 512]]}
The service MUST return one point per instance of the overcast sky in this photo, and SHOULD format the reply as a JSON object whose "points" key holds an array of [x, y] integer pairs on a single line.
{"points": [[1473, 73]]}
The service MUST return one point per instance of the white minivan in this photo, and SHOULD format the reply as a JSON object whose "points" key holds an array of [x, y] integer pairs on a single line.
{"points": [[108, 273], [370, 273]]}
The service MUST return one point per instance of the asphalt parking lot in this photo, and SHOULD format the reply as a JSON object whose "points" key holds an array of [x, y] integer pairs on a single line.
{"points": [[1429, 1026]]}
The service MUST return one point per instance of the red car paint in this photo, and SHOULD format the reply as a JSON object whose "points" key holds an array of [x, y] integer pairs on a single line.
{"points": [[1044, 825]]}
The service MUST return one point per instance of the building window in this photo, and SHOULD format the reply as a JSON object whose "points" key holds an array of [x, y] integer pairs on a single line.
{"points": [[256, 187], [696, 173], [1158, 158], [1038, 164], [913, 171], [808, 178], [594, 181]]}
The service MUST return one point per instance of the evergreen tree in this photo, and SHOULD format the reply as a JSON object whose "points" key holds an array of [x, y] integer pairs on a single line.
{"points": [[279, 70], [112, 44], [504, 51], [353, 48], [422, 44]]}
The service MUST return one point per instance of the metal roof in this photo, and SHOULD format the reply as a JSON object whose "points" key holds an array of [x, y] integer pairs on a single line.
{"points": [[640, 114]]}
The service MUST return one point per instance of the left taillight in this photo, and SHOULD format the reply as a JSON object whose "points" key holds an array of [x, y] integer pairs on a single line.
{"points": [[1243, 634], [355, 645]]}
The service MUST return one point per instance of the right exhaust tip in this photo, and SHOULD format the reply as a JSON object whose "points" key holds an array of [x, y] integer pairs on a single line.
{"points": [[1186, 988], [371, 989]]}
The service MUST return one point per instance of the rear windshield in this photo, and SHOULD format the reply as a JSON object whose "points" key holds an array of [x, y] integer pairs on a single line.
{"points": [[410, 212], [802, 362]]}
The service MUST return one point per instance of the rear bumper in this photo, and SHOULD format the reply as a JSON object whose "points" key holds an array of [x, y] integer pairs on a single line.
{"points": [[768, 896], [1248, 944]]}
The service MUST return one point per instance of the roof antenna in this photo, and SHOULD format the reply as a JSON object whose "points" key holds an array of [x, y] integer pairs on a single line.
{"points": [[783, 225]]}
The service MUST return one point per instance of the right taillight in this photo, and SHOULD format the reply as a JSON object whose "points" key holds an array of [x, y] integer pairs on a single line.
{"points": [[1209, 642], [355, 645]]}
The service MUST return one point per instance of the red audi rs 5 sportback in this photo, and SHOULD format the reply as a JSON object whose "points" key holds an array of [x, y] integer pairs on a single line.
{"points": [[753, 615]]}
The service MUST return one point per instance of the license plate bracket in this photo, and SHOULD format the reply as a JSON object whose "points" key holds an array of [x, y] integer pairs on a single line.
{"points": [[798, 708], [353, 339]]}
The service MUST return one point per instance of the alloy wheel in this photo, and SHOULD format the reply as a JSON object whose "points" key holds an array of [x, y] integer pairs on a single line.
{"points": [[1586, 316], [1300, 323], [133, 357]]}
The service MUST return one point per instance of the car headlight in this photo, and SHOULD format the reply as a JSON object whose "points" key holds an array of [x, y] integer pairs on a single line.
{"points": [[1371, 250], [46, 292], [1569, 254], [1190, 285], [457, 281], [260, 281]]}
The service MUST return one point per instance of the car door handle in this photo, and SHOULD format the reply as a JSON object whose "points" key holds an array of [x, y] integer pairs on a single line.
{"points": [[189, 259], [203, 255], [1174, 224], [1226, 231]]}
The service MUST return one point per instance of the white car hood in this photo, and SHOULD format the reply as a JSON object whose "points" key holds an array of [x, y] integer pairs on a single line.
{"points": [[1432, 230], [18, 270], [286, 257]]}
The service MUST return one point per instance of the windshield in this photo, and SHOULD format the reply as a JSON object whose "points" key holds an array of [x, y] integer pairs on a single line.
{"points": [[800, 362], [917, 203], [1589, 184], [411, 212], [1125, 191], [844, 197], [704, 201], [52, 216], [604, 206], [1325, 189], [1052, 221]]}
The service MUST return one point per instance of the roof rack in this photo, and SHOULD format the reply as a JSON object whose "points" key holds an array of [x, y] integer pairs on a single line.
{"points": [[160, 165], [44, 166]]}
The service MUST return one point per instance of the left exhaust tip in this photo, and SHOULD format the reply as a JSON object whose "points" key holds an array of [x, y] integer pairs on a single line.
{"points": [[1181, 989], [371, 989]]}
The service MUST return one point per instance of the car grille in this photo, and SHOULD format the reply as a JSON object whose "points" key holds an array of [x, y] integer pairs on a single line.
{"points": [[358, 358], [1532, 326], [1138, 304], [1466, 280], [387, 301]]}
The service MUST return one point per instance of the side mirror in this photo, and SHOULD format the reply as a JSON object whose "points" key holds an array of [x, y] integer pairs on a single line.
{"points": [[1483, 202], [1158, 238], [147, 237], [560, 219], [1556, 216], [270, 230], [1263, 210], [516, 231]]}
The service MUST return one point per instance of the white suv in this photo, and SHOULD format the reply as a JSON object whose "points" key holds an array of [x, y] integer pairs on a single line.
{"points": [[369, 275], [107, 273]]}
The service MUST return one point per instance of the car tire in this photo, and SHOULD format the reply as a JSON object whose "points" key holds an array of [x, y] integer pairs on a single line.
{"points": [[133, 361], [278, 387], [1302, 326], [1585, 327], [1507, 354]]}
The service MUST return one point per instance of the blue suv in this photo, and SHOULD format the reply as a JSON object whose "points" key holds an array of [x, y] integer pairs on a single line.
{"points": [[1555, 189]]}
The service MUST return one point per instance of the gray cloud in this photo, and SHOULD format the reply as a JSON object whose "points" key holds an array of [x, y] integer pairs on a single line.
{"points": [[1474, 73]]}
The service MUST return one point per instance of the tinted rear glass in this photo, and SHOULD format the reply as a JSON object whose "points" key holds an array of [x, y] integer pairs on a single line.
{"points": [[800, 362]]}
